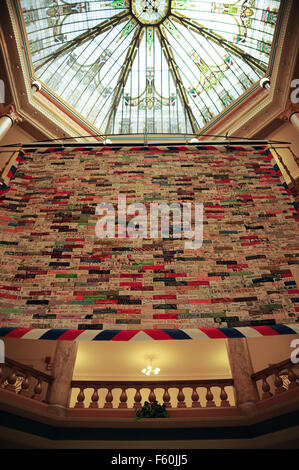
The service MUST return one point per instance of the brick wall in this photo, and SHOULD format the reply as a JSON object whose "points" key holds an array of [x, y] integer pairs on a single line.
{"points": [[55, 272]]}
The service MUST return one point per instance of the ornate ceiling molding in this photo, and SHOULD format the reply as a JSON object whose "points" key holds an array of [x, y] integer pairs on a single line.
{"points": [[262, 107], [48, 117], [43, 116]]}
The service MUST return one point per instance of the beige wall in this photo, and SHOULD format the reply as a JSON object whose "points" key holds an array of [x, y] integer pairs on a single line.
{"points": [[287, 133], [30, 352], [268, 350]]}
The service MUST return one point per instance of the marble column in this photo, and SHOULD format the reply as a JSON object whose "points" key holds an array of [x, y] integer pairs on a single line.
{"points": [[62, 371], [291, 114], [294, 120], [246, 392], [8, 118]]}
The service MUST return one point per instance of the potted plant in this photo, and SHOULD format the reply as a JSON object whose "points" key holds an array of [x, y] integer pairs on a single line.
{"points": [[152, 410]]}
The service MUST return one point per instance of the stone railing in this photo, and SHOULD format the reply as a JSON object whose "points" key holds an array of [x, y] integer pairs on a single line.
{"points": [[276, 379], [173, 392], [24, 380]]}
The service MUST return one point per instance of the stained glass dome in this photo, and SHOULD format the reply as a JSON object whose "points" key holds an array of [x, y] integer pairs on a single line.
{"points": [[154, 66]]}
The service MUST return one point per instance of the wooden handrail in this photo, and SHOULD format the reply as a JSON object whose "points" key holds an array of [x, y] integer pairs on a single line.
{"points": [[272, 369], [152, 383], [27, 369]]}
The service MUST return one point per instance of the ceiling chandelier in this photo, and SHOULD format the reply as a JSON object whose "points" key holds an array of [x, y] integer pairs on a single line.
{"points": [[150, 370]]}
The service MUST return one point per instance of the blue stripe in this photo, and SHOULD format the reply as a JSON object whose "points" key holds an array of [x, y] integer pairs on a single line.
{"points": [[106, 335], [177, 334], [231, 332], [230, 147], [6, 329], [53, 334], [283, 329]]}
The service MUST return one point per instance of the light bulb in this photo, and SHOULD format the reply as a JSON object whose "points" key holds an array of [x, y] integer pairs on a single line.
{"points": [[149, 367], [157, 370], [143, 371], [147, 373]]}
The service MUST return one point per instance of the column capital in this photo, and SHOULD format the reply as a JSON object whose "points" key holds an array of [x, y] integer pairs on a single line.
{"points": [[11, 112], [290, 109]]}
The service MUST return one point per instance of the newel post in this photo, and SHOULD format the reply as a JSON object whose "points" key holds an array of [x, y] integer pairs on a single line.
{"points": [[62, 371], [246, 392]]}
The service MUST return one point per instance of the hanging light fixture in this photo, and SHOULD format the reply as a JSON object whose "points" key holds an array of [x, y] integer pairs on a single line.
{"points": [[150, 370]]}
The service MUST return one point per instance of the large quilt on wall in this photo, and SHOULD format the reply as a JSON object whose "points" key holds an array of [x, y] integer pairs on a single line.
{"points": [[56, 273]]}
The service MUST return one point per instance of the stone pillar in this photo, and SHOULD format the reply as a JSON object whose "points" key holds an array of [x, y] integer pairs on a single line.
{"points": [[246, 391], [62, 371], [8, 118]]}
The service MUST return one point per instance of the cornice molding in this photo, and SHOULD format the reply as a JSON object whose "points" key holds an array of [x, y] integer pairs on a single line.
{"points": [[289, 110], [11, 112]]}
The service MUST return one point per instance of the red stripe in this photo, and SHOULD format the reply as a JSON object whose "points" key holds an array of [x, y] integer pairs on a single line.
{"points": [[157, 334], [165, 315], [18, 332], [265, 330], [164, 296], [213, 333], [124, 335], [70, 335]]}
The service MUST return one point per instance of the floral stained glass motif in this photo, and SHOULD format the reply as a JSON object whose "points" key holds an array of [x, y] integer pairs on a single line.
{"points": [[154, 66]]}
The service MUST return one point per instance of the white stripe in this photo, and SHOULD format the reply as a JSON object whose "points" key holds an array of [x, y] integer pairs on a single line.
{"points": [[295, 327], [194, 333], [87, 335], [35, 333], [141, 336], [248, 332]]}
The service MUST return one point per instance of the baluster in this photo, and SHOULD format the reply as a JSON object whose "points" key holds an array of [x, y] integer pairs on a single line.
{"points": [[123, 399], [25, 385], [209, 397], [181, 398], [292, 378], [109, 399], [266, 389], [223, 396], [137, 399], [94, 399], [11, 379], [152, 395], [166, 398], [195, 398], [278, 383], [38, 390], [80, 399]]}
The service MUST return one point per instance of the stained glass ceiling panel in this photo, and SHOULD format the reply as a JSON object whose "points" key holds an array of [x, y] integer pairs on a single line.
{"points": [[154, 66]]}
